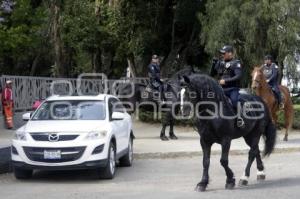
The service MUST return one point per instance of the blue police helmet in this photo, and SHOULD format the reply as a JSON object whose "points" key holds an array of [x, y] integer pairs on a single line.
{"points": [[226, 49]]}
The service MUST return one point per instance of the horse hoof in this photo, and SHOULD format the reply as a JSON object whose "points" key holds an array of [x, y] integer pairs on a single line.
{"points": [[285, 139], [164, 138], [261, 177], [173, 137], [230, 186], [243, 182], [200, 188]]}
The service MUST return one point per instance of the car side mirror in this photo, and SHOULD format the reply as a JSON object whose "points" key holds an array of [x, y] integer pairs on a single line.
{"points": [[118, 116], [26, 117]]}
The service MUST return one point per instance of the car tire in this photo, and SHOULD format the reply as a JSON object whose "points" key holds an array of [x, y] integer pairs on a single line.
{"points": [[22, 173], [110, 169], [127, 159]]}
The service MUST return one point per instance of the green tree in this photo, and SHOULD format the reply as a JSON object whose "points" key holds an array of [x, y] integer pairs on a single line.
{"points": [[255, 28], [22, 38]]}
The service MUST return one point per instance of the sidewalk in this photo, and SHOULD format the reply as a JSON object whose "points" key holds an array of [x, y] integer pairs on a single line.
{"points": [[148, 145]]}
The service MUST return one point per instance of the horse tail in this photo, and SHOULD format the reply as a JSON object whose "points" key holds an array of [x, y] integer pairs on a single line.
{"points": [[288, 108], [270, 138]]}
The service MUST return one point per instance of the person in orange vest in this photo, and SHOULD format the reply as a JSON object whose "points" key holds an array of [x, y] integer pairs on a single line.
{"points": [[8, 104]]}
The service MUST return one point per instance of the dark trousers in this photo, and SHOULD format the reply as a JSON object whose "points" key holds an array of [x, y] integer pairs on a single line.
{"points": [[277, 92], [158, 85], [233, 95]]}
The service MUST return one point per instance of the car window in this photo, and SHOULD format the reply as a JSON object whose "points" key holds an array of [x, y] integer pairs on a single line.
{"points": [[71, 110], [115, 106], [118, 106]]}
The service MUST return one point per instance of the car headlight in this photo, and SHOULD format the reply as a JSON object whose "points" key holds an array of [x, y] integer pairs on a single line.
{"points": [[94, 135], [20, 135]]}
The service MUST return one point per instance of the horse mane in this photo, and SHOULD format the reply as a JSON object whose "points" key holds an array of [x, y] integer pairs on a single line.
{"points": [[257, 67], [184, 71], [205, 84]]}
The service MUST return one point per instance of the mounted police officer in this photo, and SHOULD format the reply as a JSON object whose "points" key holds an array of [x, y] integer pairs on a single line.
{"points": [[270, 71], [154, 75], [229, 73]]}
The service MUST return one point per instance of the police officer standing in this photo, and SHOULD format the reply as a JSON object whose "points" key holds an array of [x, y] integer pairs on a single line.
{"points": [[270, 71], [229, 74]]}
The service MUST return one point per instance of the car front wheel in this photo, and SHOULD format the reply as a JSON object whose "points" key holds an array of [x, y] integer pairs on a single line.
{"points": [[110, 169], [127, 159]]}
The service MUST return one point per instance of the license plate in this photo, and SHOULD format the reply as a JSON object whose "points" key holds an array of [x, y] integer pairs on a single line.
{"points": [[52, 155]]}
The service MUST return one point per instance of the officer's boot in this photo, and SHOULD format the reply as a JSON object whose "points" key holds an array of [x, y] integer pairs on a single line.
{"points": [[280, 101], [239, 121]]}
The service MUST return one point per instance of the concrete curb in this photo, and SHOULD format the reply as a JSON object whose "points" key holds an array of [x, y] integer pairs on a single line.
{"points": [[170, 155]]}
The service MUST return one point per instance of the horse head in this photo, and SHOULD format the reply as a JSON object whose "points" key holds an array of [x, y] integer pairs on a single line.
{"points": [[257, 78], [184, 97]]}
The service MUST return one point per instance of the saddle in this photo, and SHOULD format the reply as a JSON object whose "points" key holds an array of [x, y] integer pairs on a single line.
{"points": [[154, 87], [245, 100], [154, 92], [277, 97]]}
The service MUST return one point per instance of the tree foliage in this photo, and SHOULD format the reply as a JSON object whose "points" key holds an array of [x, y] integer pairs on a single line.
{"points": [[68, 37], [255, 28]]}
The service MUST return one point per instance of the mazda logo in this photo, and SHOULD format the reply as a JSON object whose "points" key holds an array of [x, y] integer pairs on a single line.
{"points": [[53, 137]]}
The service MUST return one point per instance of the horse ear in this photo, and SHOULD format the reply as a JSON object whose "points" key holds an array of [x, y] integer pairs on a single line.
{"points": [[186, 79]]}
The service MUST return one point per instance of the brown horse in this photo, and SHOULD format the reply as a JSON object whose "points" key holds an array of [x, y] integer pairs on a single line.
{"points": [[262, 89]]}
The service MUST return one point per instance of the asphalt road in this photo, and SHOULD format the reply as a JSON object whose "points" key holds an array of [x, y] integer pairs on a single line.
{"points": [[161, 178]]}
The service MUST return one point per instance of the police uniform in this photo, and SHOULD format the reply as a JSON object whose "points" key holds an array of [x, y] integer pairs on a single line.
{"points": [[231, 72], [154, 75], [271, 74]]}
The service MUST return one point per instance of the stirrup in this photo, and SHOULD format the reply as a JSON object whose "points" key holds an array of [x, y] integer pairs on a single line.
{"points": [[281, 105], [240, 122]]}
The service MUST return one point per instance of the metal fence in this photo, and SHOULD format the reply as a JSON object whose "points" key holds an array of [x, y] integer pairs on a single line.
{"points": [[28, 89]]}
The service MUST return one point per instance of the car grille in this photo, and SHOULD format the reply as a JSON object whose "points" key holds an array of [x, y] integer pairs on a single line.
{"points": [[45, 137], [67, 154]]}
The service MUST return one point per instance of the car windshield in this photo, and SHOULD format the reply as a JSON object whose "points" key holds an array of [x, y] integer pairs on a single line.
{"points": [[71, 110]]}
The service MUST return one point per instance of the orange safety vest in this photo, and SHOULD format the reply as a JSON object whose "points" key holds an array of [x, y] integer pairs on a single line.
{"points": [[7, 104]]}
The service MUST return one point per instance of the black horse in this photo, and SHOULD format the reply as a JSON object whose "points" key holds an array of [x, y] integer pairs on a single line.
{"points": [[216, 123], [139, 98]]}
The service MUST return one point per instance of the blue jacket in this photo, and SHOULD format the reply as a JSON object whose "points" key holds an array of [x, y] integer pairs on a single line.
{"points": [[154, 71], [230, 71], [271, 73]]}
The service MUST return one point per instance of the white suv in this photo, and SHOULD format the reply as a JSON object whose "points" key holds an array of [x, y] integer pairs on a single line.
{"points": [[74, 132]]}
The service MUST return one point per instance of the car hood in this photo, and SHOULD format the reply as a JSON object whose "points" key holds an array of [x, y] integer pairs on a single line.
{"points": [[65, 126]]}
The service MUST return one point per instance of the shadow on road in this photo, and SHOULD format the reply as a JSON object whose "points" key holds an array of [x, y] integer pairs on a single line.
{"points": [[283, 182], [70, 177]]}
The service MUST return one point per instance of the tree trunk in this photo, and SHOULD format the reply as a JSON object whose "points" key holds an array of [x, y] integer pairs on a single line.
{"points": [[56, 36], [171, 64], [34, 64], [96, 61], [131, 67], [97, 7], [106, 62]]}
